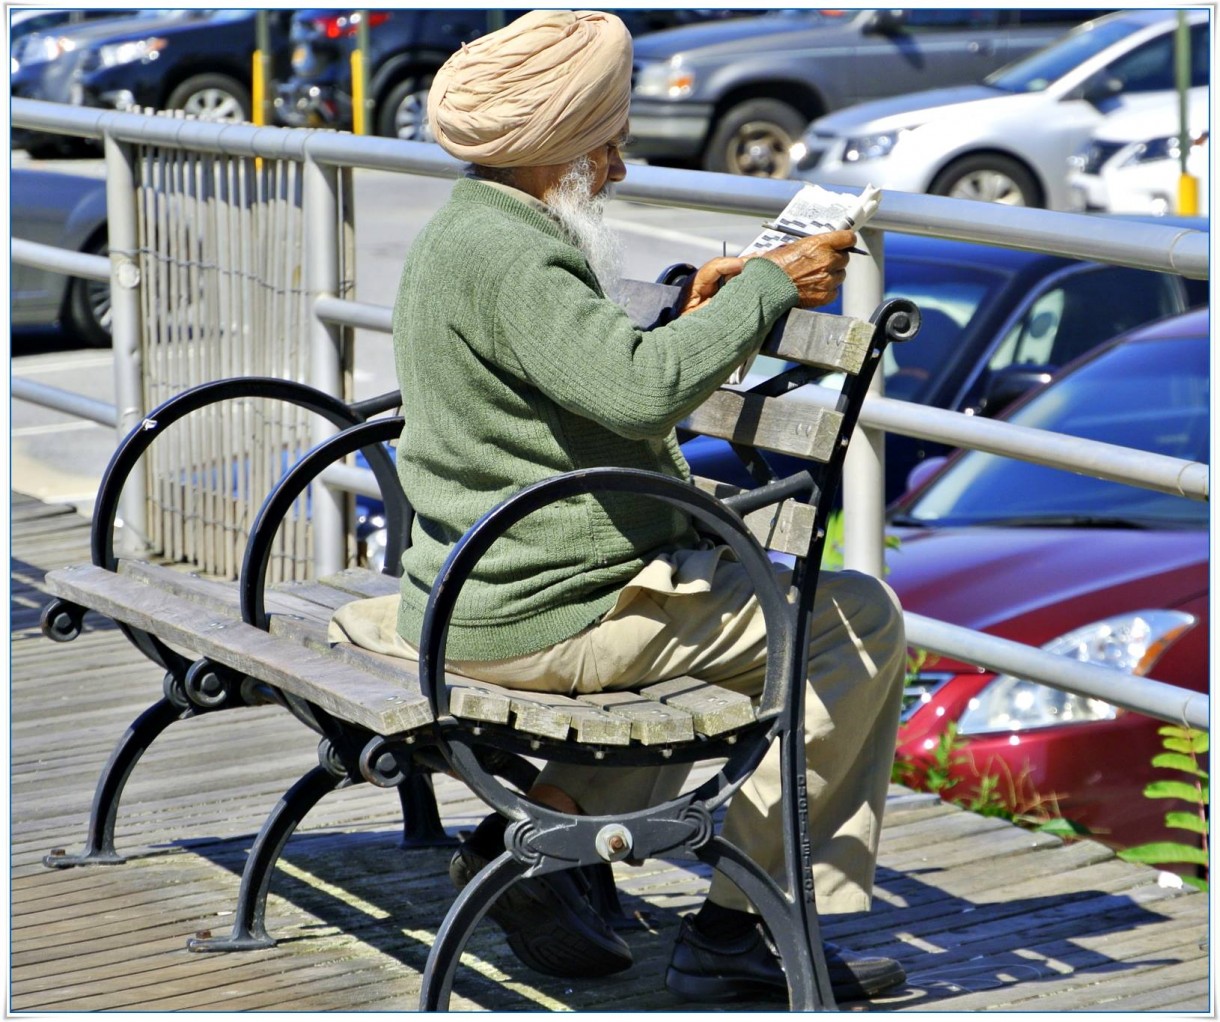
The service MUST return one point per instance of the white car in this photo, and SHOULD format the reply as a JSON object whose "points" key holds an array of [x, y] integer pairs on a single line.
{"points": [[1131, 165], [1008, 139]]}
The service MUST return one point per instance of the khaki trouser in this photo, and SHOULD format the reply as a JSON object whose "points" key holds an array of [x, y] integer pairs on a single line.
{"points": [[693, 613]]}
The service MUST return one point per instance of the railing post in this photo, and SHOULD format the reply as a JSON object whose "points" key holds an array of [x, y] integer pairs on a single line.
{"points": [[321, 198], [126, 328], [864, 466]]}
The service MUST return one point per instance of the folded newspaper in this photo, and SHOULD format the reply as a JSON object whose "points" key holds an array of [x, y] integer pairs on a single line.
{"points": [[812, 210]]}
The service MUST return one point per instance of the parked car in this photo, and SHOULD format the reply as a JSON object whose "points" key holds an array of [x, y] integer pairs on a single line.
{"points": [[1097, 571], [67, 211], [198, 61], [734, 97], [1008, 139], [38, 25], [405, 49], [1132, 165], [995, 322]]}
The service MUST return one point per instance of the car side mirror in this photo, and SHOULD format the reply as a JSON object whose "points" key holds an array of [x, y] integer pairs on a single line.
{"points": [[886, 22], [924, 471], [1006, 385], [1101, 87]]}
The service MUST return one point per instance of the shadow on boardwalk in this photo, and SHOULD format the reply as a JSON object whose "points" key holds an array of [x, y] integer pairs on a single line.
{"points": [[984, 916]]}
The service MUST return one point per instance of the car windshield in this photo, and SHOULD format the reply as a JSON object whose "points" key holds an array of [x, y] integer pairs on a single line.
{"points": [[1036, 72], [1150, 395], [949, 296]]}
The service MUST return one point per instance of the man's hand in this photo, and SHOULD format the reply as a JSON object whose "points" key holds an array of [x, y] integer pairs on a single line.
{"points": [[816, 265], [706, 281]]}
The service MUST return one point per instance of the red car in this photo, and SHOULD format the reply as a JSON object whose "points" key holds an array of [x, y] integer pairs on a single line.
{"points": [[1103, 572]]}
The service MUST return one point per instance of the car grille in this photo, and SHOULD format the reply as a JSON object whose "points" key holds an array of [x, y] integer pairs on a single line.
{"points": [[1100, 153], [919, 689]]}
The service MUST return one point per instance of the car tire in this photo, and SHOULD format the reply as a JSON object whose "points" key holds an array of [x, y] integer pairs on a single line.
{"points": [[212, 97], [988, 177], [87, 304], [64, 148], [404, 111], [753, 139]]}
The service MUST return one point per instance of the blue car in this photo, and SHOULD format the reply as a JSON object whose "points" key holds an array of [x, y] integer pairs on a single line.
{"points": [[995, 323]]}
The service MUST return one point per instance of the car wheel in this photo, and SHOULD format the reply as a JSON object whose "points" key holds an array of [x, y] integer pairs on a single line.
{"points": [[212, 98], [988, 178], [87, 304], [404, 111], [754, 139]]}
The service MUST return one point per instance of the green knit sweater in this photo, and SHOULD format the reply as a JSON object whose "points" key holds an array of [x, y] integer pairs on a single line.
{"points": [[514, 367]]}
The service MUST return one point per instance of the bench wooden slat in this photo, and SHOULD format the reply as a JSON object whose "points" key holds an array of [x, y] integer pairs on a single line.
{"points": [[785, 527], [774, 424], [715, 711], [652, 722], [216, 594], [362, 582], [376, 691], [820, 339], [338, 687]]}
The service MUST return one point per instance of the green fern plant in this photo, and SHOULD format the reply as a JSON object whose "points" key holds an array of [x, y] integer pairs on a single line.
{"points": [[832, 552], [1183, 749]]}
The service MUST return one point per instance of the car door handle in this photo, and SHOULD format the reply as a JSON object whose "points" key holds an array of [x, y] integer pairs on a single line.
{"points": [[984, 48]]}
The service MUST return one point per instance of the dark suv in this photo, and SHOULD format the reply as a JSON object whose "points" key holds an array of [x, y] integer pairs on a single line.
{"points": [[199, 61], [405, 49], [735, 97]]}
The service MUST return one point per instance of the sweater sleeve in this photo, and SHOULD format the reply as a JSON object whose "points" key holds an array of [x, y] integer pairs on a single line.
{"points": [[582, 351]]}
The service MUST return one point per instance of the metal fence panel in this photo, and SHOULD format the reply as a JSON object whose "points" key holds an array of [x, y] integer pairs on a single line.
{"points": [[221, 247]]}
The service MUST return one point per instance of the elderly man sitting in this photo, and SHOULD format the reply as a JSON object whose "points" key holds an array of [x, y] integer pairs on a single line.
{"points": [[515, 366]]}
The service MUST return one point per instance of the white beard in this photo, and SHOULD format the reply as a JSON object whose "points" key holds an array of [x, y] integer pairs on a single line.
{"points": [[583, 217]]}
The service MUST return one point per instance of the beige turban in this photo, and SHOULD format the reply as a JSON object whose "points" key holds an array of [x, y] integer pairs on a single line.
{"points": [[545, 89]]}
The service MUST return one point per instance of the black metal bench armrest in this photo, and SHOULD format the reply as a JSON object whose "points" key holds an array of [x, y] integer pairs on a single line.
{"points": [[707, 510], [367, 437]]}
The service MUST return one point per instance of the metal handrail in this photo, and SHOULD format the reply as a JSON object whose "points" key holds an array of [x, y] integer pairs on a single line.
{"points": [[1157, 247]]}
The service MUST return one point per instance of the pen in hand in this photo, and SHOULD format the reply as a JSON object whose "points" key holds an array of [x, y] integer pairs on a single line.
{"points": [[793, 234]]}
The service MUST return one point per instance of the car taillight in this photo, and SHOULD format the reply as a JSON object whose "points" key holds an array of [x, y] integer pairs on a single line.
{"points": [[340, 26]]}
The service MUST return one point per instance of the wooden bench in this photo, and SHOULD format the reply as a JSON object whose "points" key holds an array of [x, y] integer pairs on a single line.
{"points": [[383, 720]]}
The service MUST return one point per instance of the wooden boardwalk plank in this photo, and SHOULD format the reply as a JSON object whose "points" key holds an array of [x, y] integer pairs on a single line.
{"points": [[984, 916]]}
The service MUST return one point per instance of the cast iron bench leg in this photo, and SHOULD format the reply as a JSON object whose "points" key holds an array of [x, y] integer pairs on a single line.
{"points": [[463, 916], [249, 929], [421, 820], [99, 843]]}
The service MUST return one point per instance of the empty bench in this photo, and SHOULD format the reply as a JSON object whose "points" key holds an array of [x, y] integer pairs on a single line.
{"points": [[392, 723]]}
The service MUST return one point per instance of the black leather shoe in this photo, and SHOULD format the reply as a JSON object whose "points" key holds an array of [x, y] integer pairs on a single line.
{"points": [[549, 921], [748, 967]]}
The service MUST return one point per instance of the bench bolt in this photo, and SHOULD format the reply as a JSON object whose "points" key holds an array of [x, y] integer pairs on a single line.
{"points": [[613, 842]]}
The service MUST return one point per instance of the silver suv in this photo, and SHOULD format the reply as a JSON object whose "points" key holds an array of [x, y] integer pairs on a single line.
{"points": [[733, 96]]}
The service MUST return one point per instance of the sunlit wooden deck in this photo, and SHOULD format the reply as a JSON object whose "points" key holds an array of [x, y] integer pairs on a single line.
{"points": [[983, 915]]}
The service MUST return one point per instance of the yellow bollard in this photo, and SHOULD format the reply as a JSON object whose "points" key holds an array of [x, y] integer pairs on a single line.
{"points": [[258, 93], [358, 126], [258, 89], [1188, 195]]}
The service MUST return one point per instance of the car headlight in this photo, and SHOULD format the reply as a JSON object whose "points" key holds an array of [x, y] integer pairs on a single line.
{"points": [[1153, 149], [669, 80], [38, 49], [871, 147], [115, 54], [1129, 642]]}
